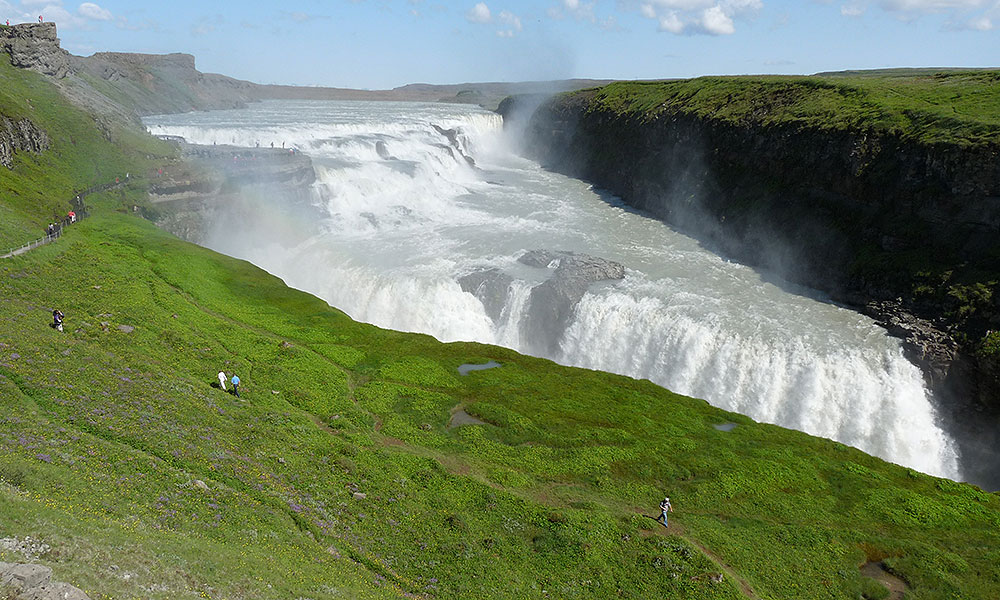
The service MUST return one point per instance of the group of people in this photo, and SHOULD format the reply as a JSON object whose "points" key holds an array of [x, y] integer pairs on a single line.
{"points": [[55, 229], [234, 380]]}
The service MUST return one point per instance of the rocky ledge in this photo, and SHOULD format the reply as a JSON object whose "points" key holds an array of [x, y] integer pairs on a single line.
{"points": [[35, 46]]}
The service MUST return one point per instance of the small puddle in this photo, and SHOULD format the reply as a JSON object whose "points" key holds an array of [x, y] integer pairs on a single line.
{"points": [[876, 570], [725, 426], [467, 368], [459, 418]]}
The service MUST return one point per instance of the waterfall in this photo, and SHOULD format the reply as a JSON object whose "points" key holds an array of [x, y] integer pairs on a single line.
{"points": [[428, 213]]}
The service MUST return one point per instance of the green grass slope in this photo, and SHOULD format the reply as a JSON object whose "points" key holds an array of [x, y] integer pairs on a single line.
{"points": [[961, 107], [81, 154], [104, 434], [338, 475]]}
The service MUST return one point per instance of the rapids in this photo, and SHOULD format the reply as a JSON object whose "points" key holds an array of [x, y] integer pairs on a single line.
{"points": [[408, 218]]}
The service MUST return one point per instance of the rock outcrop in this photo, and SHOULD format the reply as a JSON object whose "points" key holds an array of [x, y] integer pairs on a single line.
{"points": [[552, 302], [34, 582], [19, 135], [228, 180], [35, 46], [162, 83]]}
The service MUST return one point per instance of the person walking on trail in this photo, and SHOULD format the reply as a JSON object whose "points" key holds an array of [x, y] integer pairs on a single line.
{"points": [[222, 380], [57, 319], [664, 509], [236, 385]]}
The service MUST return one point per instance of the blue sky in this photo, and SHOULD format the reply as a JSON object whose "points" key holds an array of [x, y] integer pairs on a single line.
{"points": [[386, 43]]}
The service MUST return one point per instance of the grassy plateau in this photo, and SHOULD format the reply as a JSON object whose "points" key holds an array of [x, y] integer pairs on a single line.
{"points": [[337, 475]]}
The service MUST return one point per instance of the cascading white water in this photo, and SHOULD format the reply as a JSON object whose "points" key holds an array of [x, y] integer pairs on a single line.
{"points": [[409, 218]]}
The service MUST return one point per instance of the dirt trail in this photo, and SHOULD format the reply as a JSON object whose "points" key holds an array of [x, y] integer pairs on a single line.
{"points": [[678, 530]]}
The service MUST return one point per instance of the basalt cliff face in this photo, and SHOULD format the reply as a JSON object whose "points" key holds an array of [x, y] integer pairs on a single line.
{"points": [[19, 135], [853, 213], [35, 46]]}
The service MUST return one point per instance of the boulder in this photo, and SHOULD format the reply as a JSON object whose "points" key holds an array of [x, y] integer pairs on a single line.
{"points": [[21, 577], [54, 591]]}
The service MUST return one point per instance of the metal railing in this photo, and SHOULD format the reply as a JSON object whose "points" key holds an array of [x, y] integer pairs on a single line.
{"points": [[81, 213]]}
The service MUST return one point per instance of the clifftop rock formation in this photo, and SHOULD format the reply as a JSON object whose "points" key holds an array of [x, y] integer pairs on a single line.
{"points": [[35, 46], [157, 84]]}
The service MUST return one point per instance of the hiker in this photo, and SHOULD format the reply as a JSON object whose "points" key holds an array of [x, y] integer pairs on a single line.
{"points": [[222, 380], [39, 18], [236, 385], [664, 509], [72, 216], [57, 319], [50, 230]]}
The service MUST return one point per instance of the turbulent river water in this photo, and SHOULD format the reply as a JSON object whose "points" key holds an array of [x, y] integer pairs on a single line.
{"points": [[403, 216]]}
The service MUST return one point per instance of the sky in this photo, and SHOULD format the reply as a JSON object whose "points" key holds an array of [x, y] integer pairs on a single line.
{"points": [[378, 44]]}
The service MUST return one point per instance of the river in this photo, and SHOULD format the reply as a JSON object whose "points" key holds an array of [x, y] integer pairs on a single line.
{"points": [[404, 216]]}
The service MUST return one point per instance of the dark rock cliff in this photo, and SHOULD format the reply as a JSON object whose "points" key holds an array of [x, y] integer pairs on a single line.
{"points": [[859, 214], [35, 46], [19, 135]]}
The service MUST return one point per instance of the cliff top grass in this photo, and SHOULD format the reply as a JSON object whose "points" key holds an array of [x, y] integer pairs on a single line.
{"points": [[956, 107], [337, 474]]}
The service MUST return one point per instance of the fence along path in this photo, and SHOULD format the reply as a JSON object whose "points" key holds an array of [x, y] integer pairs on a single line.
{"points": [[81, 213]]}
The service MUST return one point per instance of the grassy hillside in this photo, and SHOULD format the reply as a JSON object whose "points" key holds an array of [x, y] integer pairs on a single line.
{"points": [[337, 474], [961, 107], [39, 188], [105, 432]]}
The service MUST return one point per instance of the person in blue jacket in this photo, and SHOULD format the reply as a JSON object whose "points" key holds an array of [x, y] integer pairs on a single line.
{"points": [[236, 385]]}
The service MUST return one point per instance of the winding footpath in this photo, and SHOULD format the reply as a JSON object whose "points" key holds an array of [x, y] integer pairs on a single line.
{"points": [[81, 213]]}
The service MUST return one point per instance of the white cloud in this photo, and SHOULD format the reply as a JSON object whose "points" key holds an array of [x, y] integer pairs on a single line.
{"points": [[92, 11], [712, 17], [981, 23], [672, 23], [716, 22], [976, 15], [479, 13], [509, 18]]}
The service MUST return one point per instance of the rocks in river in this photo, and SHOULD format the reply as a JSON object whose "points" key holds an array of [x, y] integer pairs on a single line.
{"points": [[452, 135], [34, 582], [383, 151], [491, 286], [552, 303]]}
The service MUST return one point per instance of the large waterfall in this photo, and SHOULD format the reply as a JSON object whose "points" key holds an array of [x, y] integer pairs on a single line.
{"points": [[433, 224]]}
